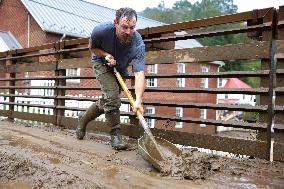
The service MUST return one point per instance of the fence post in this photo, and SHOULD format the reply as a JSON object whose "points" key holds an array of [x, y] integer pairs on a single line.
{"points": [[59, 113], [269, 64], [11, 83], [272, 82]]}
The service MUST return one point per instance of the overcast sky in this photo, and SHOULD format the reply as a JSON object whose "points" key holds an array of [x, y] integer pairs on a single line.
{"points": [[140, 5]]}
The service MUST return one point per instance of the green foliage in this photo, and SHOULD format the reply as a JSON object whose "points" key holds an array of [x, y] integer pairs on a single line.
{"points": [[163, 14], [183, 10], [251, 65], [251, 117]]}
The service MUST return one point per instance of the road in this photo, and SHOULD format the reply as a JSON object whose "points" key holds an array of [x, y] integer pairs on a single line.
{"points": [[49, 157]]}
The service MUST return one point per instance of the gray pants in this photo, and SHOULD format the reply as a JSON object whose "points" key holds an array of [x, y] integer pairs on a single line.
{"points": [[110, 101]]}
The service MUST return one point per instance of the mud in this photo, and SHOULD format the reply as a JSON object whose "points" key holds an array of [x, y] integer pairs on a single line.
{"points": [[189, 165], [47, 157]]}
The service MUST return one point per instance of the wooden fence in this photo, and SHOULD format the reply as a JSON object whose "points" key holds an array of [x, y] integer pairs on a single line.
{"points": [[265, 25]]}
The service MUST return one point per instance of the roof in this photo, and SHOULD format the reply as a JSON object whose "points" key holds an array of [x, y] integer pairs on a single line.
{"points": [[8, 41], [74, 17], [236, 83], [186, 43]]}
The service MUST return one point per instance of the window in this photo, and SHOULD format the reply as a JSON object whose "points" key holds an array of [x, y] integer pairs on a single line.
{"points": [[150, 122], [204, 81], [226, 96], [180, 82], [73, 72], [152, 82], [180, 69], [220, 82], [152, 69], [203, 115], [179, 113]]}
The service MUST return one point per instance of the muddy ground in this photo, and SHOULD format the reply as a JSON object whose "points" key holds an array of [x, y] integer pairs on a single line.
{"points": [[47, 157]]}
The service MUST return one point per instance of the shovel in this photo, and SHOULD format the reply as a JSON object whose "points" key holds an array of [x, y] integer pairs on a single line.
{"points": [[149, 138]]}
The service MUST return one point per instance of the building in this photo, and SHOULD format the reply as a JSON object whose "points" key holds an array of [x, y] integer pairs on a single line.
{"points": [[235, 83], [233, 99], [35, 22]]}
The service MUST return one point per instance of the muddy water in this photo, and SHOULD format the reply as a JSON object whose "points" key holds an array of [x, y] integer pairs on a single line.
{"points": [[53, 158], [16, 184]]}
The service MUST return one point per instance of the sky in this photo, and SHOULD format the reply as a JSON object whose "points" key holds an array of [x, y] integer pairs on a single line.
{"points": [[140, 5]]}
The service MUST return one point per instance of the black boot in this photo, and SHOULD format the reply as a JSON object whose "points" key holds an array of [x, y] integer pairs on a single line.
{"points": [[113, 120], [84, 118], [116, 140]]}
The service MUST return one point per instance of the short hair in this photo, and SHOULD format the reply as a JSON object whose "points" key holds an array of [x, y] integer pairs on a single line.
{"points": [[125, 12]]}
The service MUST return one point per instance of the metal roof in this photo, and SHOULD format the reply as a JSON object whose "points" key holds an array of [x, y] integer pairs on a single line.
{"points": [[186, 43], [8, 41], [74, 17]]}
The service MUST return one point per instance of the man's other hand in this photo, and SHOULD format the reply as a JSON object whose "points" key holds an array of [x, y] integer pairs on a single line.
{"points": [[138, 107], [110, 60]]}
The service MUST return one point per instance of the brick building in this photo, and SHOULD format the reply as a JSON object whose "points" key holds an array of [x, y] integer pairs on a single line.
{"points": [[36, 22]]}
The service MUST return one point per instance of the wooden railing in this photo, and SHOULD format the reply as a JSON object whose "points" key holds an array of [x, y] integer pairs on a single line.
{"points": [[266, 25]]}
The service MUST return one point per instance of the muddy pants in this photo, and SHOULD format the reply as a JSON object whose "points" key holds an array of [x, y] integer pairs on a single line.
{"points": [[110, 101]]}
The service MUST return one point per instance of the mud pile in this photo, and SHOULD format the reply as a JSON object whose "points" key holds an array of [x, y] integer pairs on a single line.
{"points": [[194, 165], [190, 165], [20, 169]]}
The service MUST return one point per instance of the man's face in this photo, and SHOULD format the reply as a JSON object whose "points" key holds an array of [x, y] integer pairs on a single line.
{"points": [[124, 29]]}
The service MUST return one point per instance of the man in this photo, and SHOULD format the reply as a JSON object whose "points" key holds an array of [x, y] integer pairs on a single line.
{"points": [[115, 44]]}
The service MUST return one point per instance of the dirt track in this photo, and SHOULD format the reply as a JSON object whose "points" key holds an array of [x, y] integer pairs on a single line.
{"points": [[45, 157]]}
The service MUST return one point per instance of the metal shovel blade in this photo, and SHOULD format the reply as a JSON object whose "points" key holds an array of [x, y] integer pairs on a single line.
{"points": [[168, 149]]}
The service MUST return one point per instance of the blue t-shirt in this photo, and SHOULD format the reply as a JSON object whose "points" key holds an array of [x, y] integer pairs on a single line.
{"points": [[103, 37]]}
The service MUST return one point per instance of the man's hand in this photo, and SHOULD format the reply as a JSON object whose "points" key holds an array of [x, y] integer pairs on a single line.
{"points": [[138, 107], [110, 60]]}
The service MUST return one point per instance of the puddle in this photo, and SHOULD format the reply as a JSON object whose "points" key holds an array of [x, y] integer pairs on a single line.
{"points": [[54, 160], [15, 185], [249, 182], [4, 142], [111, 171]]}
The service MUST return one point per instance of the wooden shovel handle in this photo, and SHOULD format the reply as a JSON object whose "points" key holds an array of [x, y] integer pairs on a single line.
{"points": [[125, 89]]}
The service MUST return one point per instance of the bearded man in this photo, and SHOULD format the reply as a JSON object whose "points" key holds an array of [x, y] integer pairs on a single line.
{"points": [[115, 44]]}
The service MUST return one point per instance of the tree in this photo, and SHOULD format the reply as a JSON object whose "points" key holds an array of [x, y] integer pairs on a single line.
{"points": [[161, 13]]}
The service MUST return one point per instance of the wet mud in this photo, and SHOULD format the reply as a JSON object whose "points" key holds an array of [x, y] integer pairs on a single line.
{"points": [[48, 157], [189, 165]]}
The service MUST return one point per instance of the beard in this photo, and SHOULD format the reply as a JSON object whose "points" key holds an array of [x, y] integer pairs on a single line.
{"points": [[124, 38]]}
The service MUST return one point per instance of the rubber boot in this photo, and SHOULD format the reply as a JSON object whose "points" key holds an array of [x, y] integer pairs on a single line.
{"points": [[116, 140], [84, 118], [113, 119]]}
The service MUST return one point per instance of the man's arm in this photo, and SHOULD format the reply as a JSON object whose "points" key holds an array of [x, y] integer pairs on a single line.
{"points": [[139, 90], [101, 53]]}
